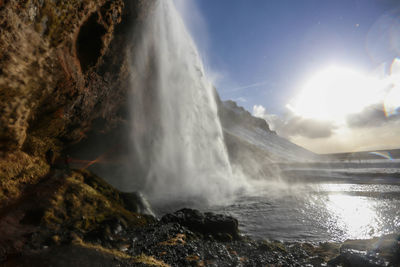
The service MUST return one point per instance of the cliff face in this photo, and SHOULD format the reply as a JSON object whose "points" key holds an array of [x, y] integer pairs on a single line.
{"points": [[62, 68], [231, 115], [253, 146]]}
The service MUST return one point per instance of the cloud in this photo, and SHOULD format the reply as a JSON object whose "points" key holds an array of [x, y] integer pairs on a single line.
{"points": [[274, 121], [356, 139], [369, 129], [310, 128], [292, 125], [260, 112], [250, 86], [371, 116], [240, 99]]}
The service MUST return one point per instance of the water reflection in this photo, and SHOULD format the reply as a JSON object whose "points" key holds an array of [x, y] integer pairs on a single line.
{"points": [[356, 216], [324, 212]]}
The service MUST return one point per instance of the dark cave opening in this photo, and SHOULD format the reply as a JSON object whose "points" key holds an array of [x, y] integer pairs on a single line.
{"points": [[89, 42]]}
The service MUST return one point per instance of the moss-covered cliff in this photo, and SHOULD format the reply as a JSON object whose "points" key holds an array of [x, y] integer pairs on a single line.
{"points": [[62, 67], [65, 207]]}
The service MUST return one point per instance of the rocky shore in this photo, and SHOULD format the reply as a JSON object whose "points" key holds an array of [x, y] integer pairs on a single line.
{"points": [[74, 218]]}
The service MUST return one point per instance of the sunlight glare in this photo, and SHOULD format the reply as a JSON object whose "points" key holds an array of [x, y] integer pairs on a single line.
{"points": [[336, 92], [355, 214]]}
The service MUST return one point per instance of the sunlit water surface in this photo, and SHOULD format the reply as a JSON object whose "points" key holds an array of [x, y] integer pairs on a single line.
{"points": [[317, 212]]}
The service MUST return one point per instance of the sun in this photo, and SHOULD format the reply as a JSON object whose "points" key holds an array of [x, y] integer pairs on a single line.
{"points": [[336, 92]]}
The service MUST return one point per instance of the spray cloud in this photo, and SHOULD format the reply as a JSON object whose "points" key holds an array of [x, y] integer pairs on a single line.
{"points": [[177, 138]]}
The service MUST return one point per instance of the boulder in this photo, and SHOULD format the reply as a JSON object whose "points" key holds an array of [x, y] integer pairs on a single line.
{"points": [[220, 227], [379, 251], [357, 258], [136, 202]]}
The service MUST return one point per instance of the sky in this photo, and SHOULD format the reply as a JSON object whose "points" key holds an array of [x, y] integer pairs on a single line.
{"points": [[290, 61]]}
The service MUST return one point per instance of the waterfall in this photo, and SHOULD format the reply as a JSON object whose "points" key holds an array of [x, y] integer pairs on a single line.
{"points": [[177, 138]]}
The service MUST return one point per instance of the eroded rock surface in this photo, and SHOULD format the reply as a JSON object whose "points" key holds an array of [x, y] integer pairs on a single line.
{"points": [[63, 66], [220, 227], [66, 206]]}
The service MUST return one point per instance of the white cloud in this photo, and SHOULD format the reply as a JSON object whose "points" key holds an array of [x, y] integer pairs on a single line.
{"points": [[240, 99], [292, 125], [363, 121], [273, 120], [370, 117], [367, 130], [259, 111], [349, 140]]}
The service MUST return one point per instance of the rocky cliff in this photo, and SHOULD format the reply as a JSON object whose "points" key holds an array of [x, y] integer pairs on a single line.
{"points": [[63, 74], [253, 146]]}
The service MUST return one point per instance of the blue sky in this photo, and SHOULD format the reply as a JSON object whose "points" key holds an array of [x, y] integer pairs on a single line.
{"points": [[278, 44], [264, 53]]}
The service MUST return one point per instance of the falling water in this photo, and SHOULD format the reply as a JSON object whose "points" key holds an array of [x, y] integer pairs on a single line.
{"points": [[177, 137]]}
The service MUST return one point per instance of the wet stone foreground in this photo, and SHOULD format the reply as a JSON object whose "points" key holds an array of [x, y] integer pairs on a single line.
{"points": [[191, 238], [185, 239], [85, 222]]}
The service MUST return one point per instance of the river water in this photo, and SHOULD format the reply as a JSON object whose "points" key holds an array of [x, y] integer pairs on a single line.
{"points": [[338, 204], [339, 209]]}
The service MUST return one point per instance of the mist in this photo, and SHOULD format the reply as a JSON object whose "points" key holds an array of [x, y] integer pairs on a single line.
{"points": [[177, 145]]}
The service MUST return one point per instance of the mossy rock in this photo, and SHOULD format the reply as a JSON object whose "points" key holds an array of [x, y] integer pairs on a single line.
{"points": [[272, 246], [84, 201], [17, 171]]}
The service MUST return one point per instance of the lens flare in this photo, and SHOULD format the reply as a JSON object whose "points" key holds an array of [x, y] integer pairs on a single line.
{"points": [[385, 154], [391, 101], [383, 39]]}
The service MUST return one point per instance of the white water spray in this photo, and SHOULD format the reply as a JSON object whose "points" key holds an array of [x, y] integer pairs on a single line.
{"points": [[177, 136]]}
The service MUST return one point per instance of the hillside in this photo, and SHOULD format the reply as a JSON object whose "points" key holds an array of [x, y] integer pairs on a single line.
{"points": [[253, 146]]}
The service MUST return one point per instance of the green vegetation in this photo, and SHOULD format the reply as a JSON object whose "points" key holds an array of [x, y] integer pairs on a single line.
{"points": [[84, 201]]}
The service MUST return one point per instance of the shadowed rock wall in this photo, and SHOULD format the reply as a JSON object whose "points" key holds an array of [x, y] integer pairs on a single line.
{"points": [[62, 67]]}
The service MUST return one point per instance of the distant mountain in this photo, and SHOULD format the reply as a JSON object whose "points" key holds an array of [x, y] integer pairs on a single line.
{"points": [[253, 146], [364, 155]]}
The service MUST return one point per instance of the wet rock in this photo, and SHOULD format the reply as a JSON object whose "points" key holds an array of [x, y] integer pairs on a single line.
{"points": [[56, 239], [50, 157], [69, 255], [136, 202], [357, 258], [97, 236], [185, 238], [380, 251], [220, 227], [115, 225]]}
